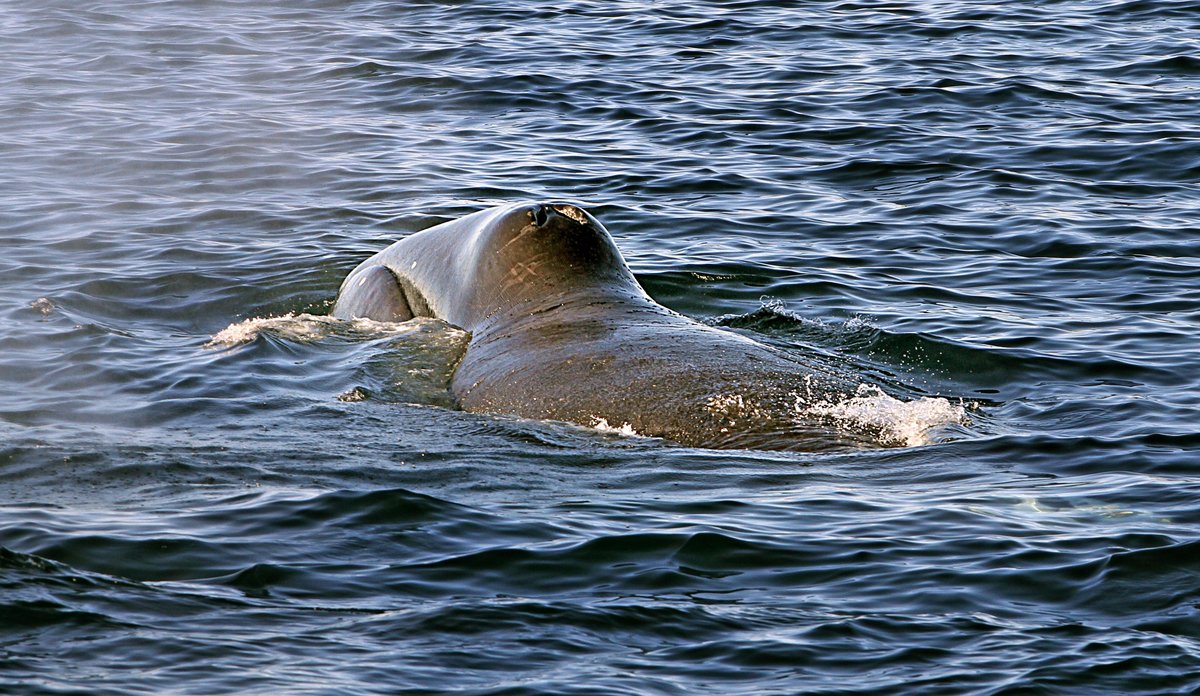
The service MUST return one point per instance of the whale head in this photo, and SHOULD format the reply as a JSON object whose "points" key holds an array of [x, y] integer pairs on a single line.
{"points": [[508, 261], [533, 255]]}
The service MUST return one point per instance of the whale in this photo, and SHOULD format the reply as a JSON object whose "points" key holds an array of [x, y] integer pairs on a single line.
{"points": [[561, 330]]}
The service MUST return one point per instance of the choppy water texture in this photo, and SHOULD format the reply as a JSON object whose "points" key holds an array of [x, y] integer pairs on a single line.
{"points": [[994, 204]]}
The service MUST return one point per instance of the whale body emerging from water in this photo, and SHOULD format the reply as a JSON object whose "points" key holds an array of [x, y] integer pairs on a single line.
{"points": [[561, 330]]}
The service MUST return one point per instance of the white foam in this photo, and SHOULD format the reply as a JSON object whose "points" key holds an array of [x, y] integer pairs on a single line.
{"points": [[307, 328], [625, 429], [297, 327], [894, 422]]}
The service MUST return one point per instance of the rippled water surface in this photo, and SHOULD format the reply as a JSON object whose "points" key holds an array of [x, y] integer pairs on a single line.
{"points": [[994, 205]]}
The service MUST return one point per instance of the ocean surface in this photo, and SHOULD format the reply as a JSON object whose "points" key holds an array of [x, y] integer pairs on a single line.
{"points": [[988, 209]]}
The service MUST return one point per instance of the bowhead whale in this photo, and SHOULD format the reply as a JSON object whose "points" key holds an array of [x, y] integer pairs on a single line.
{"points": [[561, 330]]}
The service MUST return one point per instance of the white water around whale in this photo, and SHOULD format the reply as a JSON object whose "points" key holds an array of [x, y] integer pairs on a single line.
{"points": [[304, 328], [869, 411], [889, 420]]}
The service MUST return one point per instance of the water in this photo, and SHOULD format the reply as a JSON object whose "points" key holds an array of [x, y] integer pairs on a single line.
{"points": [[991, 204]]}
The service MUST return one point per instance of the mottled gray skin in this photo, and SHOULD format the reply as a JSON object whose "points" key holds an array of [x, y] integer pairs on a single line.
{"points": [[561, 330]]}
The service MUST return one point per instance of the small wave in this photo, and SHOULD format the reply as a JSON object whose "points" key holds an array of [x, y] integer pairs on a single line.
{"points": [[308, 328], [890, 420], [783, 327]]}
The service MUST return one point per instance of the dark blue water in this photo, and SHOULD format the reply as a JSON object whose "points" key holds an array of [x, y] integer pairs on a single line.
{"points": [[993, 207]]}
